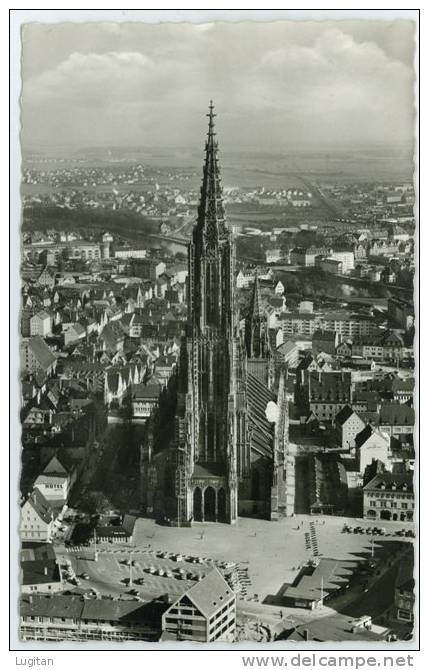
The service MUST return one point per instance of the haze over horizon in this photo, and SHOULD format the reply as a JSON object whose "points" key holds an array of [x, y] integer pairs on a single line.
{"points": [[327, 85]]}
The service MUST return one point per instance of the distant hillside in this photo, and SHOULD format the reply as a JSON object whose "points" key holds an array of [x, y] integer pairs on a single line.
{"points": [[120, 222]]}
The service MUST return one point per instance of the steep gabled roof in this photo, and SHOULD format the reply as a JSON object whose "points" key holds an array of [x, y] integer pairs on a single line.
{"points": [[392, 481], [343, 415], [40, 571], [324, 335], [55, 467], [393, 413], [41, 351], [363, 436], [210, 593], [40, 505]]}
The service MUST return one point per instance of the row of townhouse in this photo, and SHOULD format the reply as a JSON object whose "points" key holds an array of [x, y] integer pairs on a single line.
{"points": [[387, 345], [345, 324]]}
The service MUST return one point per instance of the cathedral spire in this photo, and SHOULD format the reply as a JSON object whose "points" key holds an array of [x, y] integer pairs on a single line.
{"points": [[255, 325], [211, 216], [256, 308]]}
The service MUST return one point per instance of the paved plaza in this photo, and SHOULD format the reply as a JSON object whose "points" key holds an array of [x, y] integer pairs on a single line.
{"points": [[271, 552]]}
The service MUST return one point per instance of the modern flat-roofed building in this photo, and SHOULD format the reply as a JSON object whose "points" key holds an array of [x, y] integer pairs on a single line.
{"points": [[346, 258], [336, 628], [305, 256], [331, 265], [400, 313], [73, 618], [88, 251], [346, 324], [317, 583], [205, 613], [146, 268], [126, 252]]}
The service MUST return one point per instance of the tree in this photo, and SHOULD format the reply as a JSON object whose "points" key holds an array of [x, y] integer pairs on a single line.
{"points": [[95, 502]]}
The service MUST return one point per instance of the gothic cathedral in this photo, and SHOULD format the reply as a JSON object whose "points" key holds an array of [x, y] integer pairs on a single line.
{"points": [[211, 453]]}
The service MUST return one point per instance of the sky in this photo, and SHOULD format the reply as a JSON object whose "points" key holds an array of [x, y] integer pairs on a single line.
{"points": [[284, 84]]}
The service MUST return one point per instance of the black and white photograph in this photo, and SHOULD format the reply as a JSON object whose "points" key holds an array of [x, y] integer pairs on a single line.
{"points": [[218, 366]]}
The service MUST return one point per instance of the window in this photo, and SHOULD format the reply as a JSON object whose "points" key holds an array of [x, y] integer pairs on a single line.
{"points": [[404, 505]]}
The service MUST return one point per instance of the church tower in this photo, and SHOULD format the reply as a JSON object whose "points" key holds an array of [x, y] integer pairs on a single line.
{"points": [[256, 325], [214, 399], [211, 451]]}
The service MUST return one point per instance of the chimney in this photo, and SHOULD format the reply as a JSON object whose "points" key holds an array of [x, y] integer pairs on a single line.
{"points": [[45, 570]]}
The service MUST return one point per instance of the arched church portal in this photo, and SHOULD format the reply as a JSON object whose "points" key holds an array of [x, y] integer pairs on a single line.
{"points": [[198, 504], [209, 504]]}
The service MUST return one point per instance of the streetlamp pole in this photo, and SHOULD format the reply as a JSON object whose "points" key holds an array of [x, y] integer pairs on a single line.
{"points": [[178, 510], [95, 545]]}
